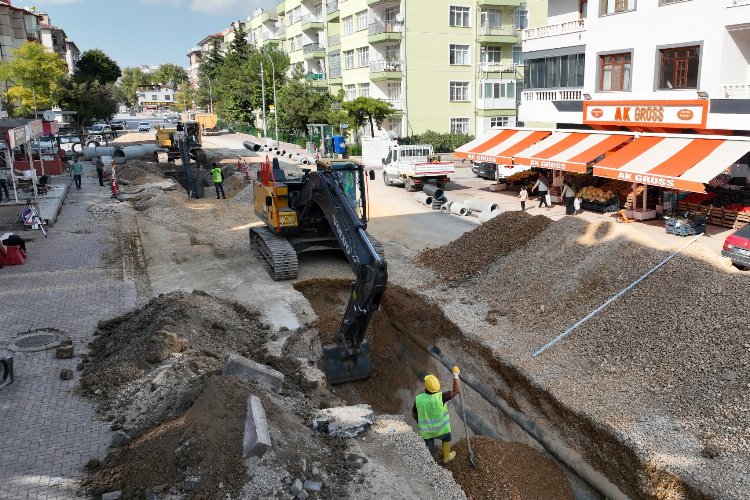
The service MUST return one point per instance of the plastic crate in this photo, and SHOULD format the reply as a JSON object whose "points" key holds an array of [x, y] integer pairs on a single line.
{"points": [[685, 228], [610, 206]]}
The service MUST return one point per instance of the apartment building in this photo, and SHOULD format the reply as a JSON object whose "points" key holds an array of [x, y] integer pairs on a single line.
{"points": [[155, 96], [55, 39], [194, 61], [264, 28], [17, 26]]}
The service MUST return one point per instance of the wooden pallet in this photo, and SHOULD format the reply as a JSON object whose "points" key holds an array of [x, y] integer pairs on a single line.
{"points": [[743, 219]]}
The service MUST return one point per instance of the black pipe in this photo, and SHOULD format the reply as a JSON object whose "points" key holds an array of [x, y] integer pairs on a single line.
{"points": [[251, 146], [433, 191]]}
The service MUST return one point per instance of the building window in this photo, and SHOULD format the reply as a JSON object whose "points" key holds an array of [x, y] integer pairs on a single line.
{"points": [[490, 54], [489, 20], [459, 125], [617, 6], [348, 25], [499, 121], [459, 55], [334, 65], [679, 68], [348, 59], [363, 57], [517, 55], [459, 16], [364, 90], [167, 98], [392, 53], [350, 92], [614, 72], [394, 91], [361, 20], [154, 97], [554, 72], [459, 91], [497, 90], [522, 19]]}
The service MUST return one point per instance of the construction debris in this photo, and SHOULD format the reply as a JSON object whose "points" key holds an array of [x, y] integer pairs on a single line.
{"points": [[255, 372], [257, 440], [344, 421]]}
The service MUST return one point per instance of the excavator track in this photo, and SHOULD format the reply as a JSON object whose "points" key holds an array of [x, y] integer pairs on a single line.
{"points": [[376, 245], [277, 251]]}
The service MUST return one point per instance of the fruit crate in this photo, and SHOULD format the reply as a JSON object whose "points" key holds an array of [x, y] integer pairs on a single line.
{"points": [[742, 219], [612, 205], [682, 227]]}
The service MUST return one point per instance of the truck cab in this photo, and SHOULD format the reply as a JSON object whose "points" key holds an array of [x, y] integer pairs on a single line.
{"points": [[414, 166]]}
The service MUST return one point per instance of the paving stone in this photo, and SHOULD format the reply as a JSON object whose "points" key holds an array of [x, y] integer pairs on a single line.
{"points": [[302, 495], [64, 352], [249, 369], [112, 495], [296, 487], [66, 374], [312, 485], [257, 439]]}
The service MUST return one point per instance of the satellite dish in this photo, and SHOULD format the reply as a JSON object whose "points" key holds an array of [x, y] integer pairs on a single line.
{"points": [[48, 116], [400, 17]]}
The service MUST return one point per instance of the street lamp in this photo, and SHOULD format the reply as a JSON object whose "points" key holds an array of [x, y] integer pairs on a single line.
{"points": [[210, 95], [275, 106]]}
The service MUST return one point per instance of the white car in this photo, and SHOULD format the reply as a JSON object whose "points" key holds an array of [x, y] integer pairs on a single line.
{"points": [[144, 127]]}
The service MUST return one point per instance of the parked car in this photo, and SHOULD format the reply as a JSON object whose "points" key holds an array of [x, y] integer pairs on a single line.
{"points": [[117, 125], [484, 170], [144, 127], [737, 247], [100, 128]]}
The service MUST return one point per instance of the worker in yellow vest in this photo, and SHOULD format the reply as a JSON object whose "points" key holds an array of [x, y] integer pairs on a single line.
{"points": [[218, 179], [430, 410]]}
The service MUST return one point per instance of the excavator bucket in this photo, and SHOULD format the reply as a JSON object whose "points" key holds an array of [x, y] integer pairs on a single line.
{"points": [[342, 368]]}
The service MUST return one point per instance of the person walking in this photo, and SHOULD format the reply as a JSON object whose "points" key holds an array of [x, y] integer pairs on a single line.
{"points": [[77, 170], [430, 410], [523, 195], [4, 185], [569, 195], [100, 173], [542, 184], [218, 179]]}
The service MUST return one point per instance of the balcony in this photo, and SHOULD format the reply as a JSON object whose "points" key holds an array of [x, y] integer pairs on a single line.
{"points": [[735, 90], [737, 3], [381, 31], [313, 51], [333, 42], [383, 69], [316, 80], [552, 95], [499, 3], [496, 103], [312, 21], [332, 11], [280, 9], [554, 29], [496, 67], [271, 38], [397, 104], [372, 3], [267, 16], [498, 34]]}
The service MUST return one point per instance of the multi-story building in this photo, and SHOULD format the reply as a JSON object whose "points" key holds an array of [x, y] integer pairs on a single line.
{"points": [[17, 26], [194, 62], [264, 28], [72, 55], [155, 96], [304, 37], [55, 39]]}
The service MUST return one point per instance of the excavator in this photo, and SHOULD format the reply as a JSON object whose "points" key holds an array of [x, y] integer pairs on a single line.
{"points": [[324, 209], [167, 140]]}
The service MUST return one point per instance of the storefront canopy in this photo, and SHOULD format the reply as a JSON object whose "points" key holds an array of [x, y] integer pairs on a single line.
{"points": [[678, 162], [500, 145], [570, 151]]}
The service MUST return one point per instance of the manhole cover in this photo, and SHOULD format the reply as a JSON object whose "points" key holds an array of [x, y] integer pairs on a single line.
{"points": [[37, 341]]}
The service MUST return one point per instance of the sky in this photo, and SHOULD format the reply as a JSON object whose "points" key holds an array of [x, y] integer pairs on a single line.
{"points": [[135, 32]]}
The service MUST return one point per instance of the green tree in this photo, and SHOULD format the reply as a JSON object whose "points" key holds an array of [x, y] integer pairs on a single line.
{"points": [[364, 110], [170, 74], [90, 101], [96, 65], [128, 85], [35, 74], [184, 97], [239, 44], [302, 104], [207, 71]]}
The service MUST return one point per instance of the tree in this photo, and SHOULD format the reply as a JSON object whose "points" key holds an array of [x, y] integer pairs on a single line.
{"points": [[239, 44], [364, 110], [90, 101], [303, 104], [209, 67], [128, 85], [96, 65], [35, 74], [170, 74], [183, 98]]}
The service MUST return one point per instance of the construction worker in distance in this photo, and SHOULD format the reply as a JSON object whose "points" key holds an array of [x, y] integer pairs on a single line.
{"points": [[218, 179], [430, 410]]}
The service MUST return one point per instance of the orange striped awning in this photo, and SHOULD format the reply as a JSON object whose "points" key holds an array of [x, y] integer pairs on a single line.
{"points": [[570, 151], [677, 162], [500, 145]]}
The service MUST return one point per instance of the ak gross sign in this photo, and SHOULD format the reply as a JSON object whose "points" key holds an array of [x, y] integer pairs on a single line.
{"points": [[657, 114]]}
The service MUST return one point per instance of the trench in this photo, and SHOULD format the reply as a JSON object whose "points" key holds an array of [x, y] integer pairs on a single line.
{"points": [[399, 333]]}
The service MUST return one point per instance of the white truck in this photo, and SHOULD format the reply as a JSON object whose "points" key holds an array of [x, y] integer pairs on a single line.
{"points": [[414, 166]]}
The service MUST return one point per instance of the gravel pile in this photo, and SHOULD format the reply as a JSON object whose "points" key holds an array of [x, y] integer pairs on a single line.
{"points": [[480, 247]]}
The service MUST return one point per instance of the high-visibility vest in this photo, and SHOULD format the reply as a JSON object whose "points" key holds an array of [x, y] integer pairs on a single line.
{"points": [[433, 419], [216, 172]]}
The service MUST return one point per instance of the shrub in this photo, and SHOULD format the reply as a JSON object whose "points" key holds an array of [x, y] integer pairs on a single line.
{"points": [[442, 143]]}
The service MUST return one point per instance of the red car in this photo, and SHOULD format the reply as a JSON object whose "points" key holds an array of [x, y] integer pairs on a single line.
{"points": [[737, 247]]}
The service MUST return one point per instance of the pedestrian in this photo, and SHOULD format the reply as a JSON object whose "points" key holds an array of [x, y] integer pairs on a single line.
{"points": [[218, 179], [77, 170], [100, 173], [239, 163], [4, 185], [430, 410], [569, 195], [542, 184], [523, 195]]}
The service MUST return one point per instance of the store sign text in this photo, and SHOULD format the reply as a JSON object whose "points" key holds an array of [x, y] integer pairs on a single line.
{"points": [[661, 114], [548, 164], [645, 179], [472, 156]]}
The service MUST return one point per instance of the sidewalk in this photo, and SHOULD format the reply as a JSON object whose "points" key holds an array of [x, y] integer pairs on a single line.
{"points": [[49, 432]]}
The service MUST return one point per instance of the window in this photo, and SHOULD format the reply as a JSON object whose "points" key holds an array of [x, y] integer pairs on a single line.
{"points": [[167, 98], [394, 91], [459, 91], [499, 121], [348, 25], [348, 59], [497, 90], [154, 97], [614, 72], [459, 55], [679, 68], [392, 53], [522, 19], [554, 72], [491, 19], [459, 125], [491, 55], [617, 6], [350, 92], [364, 90], [361, 20], [334, 65], [391, 13], [363, 57], [517, 55], [459, 16]]}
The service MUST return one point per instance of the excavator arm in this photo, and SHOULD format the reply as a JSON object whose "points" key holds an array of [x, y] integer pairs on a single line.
{"points": [[349, 359]]}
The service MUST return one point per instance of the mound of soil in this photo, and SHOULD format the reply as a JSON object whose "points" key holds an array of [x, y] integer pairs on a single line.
{"points": [[508, 470], [203, 446], [480, 247]]}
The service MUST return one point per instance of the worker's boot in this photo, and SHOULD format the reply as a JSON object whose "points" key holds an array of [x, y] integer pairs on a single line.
{"points": [[448, 455]]}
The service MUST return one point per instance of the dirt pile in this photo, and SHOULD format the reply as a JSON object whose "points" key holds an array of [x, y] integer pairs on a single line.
{"points": [[480, 247], [508, 470], [148, 365]]}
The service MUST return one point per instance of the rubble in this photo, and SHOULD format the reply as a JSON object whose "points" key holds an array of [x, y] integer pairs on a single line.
{"points": [[257, 440], [66, 374], [344, 421], [256, 372], [64, 352]]}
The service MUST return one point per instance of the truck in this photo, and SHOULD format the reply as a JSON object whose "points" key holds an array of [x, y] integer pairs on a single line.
{"points": [[208, 121], [414, 166]]}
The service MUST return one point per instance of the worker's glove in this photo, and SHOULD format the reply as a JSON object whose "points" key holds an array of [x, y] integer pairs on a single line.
{"points": [[456, 372]]}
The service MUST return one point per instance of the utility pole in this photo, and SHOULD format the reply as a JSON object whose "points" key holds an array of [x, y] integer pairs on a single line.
{"points": [[263, 101], [275, 105], [210, 95]]}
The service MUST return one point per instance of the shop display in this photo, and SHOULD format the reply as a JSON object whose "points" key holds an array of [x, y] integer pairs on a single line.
{"points": [[686, 225]]}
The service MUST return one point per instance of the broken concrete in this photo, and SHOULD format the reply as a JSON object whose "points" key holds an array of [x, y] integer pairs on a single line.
{"points": [[120, 439], [344, 421], [312, 485], [112, 495], [64, 352], [66, 374], [255, 372], [257, 440], [312, 377], [296, 487]]}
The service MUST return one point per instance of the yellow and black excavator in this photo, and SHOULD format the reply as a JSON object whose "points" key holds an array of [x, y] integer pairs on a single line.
{"points": [[166, 140], [324, 209]]}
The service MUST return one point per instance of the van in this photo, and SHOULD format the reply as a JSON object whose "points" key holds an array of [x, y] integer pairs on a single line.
{"points": [[144, 127]]}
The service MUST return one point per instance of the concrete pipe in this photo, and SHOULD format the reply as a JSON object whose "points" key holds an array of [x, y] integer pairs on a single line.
{"points": [[139, 151], [487, 215], [89, 153], [423, 198], [458, 209], [446, 207], [251, 146], [480, 205], [433, 191], [77, 148]]}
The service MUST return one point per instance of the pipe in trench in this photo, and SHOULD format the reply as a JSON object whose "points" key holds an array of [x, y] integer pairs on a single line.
{"points": [[567, 456]]}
